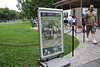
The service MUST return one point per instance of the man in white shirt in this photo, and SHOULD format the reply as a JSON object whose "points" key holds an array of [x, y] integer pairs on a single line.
{"points": [[70, 20]]}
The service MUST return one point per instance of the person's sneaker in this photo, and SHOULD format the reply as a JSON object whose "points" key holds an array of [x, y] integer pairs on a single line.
{"points": [[87, 40], [94, 41], [32, 27]]}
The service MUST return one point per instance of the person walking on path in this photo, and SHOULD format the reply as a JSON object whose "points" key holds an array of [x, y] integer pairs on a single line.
{"points": [[36, 21], [91, 22], [74, 22], [65, 22], [70, 20], [83, 22]]}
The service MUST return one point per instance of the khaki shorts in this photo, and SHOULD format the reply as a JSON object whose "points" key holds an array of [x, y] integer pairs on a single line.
{"points": [[91, 28]]}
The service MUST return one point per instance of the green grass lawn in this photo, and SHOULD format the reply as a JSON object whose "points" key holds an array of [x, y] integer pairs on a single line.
{"points": [[19, 33]]}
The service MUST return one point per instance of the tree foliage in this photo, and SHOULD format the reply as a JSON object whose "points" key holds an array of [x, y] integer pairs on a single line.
{"points": [[6, 14], [29, 7]]}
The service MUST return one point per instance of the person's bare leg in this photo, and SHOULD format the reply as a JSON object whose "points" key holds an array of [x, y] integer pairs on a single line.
{"points": [[85, 27], [94, 41], [32, 24], [93, 35], [87, 35]]}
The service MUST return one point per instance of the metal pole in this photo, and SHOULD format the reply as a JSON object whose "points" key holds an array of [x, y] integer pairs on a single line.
{"points": [[62, 7], [76, 30], [83, 34], [46, 64], [72, 40], [70, 6], [81, 6]]}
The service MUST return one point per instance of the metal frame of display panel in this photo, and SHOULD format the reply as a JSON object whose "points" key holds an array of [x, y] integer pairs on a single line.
{"points": [[48, 11]]}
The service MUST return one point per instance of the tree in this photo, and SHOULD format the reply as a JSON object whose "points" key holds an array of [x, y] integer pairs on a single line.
{"points": [[6, 14], [29, 7]]}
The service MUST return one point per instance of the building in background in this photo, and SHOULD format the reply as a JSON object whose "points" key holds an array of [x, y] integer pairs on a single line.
{"points": [[78, 7]]}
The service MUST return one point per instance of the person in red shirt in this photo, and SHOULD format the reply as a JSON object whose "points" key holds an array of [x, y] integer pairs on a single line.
{"points": [[36, 21]]}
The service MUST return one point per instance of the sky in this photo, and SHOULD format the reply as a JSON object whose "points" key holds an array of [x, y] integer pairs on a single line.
{"points": [[11, 4]]}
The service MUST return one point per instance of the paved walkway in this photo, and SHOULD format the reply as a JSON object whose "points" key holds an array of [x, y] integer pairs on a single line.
{"points": [[95, 63], [85, 52], [35, 28]]}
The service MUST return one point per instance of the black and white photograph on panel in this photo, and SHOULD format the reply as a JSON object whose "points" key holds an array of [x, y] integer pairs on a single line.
{"points": [[51, 32]]}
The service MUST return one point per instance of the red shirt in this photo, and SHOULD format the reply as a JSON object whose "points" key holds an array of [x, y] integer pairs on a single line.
{"points": [[36, 20]]}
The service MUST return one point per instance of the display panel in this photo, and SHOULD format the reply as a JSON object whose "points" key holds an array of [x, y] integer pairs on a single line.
{"points": [[50, 32]]}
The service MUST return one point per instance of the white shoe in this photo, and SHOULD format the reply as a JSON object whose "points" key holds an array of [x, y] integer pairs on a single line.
{"points": [[32, 27], [87, 40], [94, 41]]}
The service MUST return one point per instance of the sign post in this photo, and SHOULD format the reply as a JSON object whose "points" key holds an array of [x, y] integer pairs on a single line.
{"points": [[51, 38], [72, 40]]}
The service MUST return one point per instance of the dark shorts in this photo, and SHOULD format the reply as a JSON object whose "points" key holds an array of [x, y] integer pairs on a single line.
{"points": [[31, 22], [65, 23], [73, 23], [91, 28], [83, 24]]}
